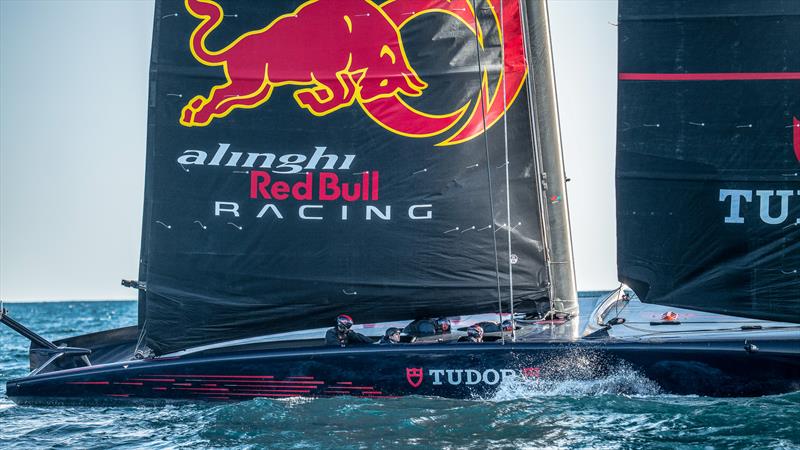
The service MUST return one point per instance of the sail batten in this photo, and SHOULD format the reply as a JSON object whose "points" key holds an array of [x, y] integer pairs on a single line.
{"points": [[708, 192]]}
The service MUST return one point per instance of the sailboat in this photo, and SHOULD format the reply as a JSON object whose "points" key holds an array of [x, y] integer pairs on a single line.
{"points": [[401, 160]]}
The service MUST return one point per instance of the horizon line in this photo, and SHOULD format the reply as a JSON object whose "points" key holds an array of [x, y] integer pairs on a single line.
{"points": [[64, 300]]}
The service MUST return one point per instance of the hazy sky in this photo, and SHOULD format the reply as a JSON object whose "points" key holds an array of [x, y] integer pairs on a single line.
{"points": [[73, 110]]}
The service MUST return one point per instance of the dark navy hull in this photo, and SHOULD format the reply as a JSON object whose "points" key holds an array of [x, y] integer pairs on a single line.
{"points": [[722, 368]]}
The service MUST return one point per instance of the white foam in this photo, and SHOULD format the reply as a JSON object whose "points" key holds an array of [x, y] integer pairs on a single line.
{"points": [[624, 381], [578, 373]]}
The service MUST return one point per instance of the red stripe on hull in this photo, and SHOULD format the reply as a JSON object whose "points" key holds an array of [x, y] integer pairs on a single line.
{"points": [[202, 389], [157, 380], [191, 375], [722, 76]]}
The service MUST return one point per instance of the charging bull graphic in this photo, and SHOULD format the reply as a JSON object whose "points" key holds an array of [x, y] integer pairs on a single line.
{"points": [[340, 52]]}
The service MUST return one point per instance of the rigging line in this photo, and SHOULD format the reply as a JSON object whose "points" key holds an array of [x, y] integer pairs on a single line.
{"points": [[141, 337], [508, 183], [488, 168]]}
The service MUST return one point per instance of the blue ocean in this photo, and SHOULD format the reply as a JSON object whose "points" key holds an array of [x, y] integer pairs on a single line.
{"points": [[624, 411]]}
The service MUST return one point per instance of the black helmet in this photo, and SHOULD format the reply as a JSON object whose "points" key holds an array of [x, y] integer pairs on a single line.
{"points": [[475, 331], [507, 325], [442, 325], [391, 332], [344, 322]]}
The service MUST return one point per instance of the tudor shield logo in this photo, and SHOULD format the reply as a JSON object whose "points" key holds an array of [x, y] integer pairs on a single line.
{"points": [[414, 376]]}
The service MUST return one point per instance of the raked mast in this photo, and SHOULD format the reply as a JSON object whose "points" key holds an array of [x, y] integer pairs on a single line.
{"points": [[547, 136]]}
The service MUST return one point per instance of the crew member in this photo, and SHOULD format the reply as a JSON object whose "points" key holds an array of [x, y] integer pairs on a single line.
{"points": [[442, 325], [428, 327], [474, 334], [343, 336], [391, 337]]}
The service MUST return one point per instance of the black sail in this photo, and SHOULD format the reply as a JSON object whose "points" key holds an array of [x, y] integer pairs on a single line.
{"points": [[307, 159], [708, 155]]}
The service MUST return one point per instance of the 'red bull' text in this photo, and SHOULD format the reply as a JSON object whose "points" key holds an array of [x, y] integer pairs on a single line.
{"points": [[322, 186]]}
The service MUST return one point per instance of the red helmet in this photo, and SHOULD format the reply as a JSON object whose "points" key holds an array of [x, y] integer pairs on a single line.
{"points": [[344, 322]]}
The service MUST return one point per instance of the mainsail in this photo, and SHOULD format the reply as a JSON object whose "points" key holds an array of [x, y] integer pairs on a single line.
{"points": [[307, 159], [708, 156]]}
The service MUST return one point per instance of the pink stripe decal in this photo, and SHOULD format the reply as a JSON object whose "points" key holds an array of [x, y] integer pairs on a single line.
{"points": [[796, 124], [269, 383], [264, 395], [202, 389], [272, 386], [261, 391], [352, 387], [130, 384], [721, 76], [191, 375]]}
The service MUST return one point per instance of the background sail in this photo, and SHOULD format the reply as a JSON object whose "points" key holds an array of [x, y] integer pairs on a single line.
{"points": [[708, 155], [222, 261]]}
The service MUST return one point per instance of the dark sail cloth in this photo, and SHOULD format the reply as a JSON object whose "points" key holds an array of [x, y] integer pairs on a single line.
{"points": [[707, 162], [224, 257], [349, 338]]}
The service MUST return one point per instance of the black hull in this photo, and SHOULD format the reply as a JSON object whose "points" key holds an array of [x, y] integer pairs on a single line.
{"points": [[721, 368]]}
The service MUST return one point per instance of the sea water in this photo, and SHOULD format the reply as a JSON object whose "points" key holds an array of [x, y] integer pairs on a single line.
{"points": [[624, 410]]}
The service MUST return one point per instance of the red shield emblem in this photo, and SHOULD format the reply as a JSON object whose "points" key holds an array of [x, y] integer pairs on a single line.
{"points": [[530, 372], [414, 376]]}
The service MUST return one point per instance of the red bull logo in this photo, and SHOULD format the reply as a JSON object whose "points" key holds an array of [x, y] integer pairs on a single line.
{"points": [[338, 53]]}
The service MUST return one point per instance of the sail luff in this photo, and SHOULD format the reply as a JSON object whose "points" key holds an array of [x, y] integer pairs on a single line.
{"points": [[147, 207]]}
